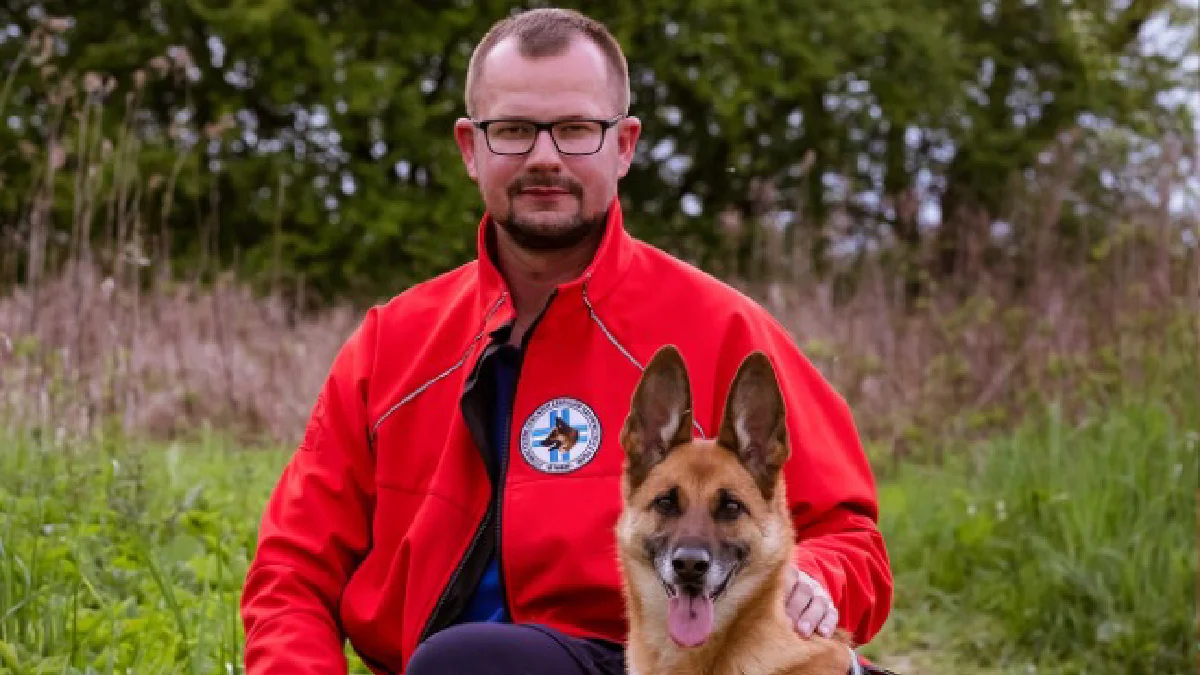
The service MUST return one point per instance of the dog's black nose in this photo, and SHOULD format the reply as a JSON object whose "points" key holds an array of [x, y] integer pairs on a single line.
{"points": [[690, 563]]}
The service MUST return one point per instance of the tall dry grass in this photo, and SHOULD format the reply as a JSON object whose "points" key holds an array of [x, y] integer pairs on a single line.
{"points": [[1029, 320], [164, 362], [98, 327], [960, 368]]}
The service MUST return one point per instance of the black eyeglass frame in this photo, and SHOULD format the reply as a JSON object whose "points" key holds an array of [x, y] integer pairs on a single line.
{"points": [[548, 127]]}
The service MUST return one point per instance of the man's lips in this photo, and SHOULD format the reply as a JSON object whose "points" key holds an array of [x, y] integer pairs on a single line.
{"points": [[544, 192]]}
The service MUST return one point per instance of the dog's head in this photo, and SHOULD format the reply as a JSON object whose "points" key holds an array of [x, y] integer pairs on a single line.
{"points": [[562, 437], [704, 524]]}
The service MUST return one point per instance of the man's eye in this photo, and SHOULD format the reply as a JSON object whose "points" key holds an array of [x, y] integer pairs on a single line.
{"points": [[577, 129], [511, 130]]}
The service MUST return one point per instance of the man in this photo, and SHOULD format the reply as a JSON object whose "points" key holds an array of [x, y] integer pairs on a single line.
{"points": [[450, 508]]}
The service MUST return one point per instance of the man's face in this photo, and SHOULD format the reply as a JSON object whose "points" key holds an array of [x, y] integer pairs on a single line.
{"points": [[545, 199]]}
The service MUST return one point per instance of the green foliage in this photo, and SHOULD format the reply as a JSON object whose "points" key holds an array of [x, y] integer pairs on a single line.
{"points": [[1062, 545], [313, 140], [118, 558]]}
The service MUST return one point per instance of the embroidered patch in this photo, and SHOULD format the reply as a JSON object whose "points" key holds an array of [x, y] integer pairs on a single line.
{"points": [[560, 436]]}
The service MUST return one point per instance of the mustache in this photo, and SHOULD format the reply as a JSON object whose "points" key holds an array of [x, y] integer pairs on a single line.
{"points": [[557, 182]]}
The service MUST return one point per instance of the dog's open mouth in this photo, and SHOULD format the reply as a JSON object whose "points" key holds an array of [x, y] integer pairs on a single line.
{"points": [[691, 611], [690, 619]]}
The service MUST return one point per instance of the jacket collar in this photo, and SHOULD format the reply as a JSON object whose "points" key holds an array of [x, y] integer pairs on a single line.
{"points": [[597, 280]]}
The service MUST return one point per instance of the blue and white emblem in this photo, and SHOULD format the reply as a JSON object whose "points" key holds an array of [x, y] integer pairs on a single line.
{"points": [[560, 436]]}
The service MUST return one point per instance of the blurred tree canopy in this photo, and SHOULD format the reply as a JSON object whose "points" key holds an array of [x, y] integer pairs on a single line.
{"points": [[302, 138]]}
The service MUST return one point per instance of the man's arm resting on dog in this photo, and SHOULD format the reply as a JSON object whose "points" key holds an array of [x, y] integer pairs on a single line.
{"points": [[314, 529], [834, 504], [851, 566], [831, 491]]}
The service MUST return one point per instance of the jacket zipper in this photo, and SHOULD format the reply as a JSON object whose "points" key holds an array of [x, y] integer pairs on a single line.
{"points": [[506, 450], [462, 563], [495, 507], [503, 473]]}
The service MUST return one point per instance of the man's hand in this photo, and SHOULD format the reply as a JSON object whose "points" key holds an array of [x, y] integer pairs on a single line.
{"points": [[809, 605]]}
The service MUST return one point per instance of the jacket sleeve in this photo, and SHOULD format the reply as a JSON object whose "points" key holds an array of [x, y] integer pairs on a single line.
{"points": [[314, 530], [831, 490]]}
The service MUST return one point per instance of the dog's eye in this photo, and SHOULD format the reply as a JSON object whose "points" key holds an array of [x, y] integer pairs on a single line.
{"points": [[729, 508], [667, 503]]}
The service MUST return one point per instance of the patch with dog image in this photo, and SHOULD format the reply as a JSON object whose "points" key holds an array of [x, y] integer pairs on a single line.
{"points": [[561, 436]]}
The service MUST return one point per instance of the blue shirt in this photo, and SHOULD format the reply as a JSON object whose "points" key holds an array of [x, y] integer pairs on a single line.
{"points": [[487, 602]]}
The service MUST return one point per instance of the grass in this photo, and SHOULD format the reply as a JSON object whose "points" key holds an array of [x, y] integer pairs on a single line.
{"points": [[125, 559], [1064, 547]]}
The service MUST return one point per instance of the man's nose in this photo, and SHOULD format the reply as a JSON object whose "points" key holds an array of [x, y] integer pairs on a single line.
{"points": [[544, 152], [691, 562]]}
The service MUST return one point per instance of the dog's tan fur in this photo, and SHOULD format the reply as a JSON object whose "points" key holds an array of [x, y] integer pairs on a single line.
{"points": [[752, 634]]}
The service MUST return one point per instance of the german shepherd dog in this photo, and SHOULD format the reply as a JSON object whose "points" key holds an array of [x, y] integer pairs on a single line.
{"points": [[562, 438], [704, 537]]}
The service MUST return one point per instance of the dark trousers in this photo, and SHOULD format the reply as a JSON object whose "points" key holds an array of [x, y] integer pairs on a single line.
{"points": [[513, 649]]}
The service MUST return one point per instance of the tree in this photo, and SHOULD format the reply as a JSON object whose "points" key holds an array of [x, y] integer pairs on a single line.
{"points": [[312, 140]]}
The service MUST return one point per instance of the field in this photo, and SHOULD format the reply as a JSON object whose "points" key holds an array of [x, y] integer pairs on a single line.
{"points": [[1064, 548], [175, 280]]}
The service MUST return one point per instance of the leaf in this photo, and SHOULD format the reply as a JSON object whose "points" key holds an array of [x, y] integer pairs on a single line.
{"points": [[8, 657]]}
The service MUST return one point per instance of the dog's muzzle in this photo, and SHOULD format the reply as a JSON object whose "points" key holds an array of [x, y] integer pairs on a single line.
{"points": [[690, 565], [691, 570]]}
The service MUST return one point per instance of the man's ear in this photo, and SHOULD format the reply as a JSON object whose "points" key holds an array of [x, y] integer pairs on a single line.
{"points": [[628, 131], [464, 136], [660, 416], [754, 424]]}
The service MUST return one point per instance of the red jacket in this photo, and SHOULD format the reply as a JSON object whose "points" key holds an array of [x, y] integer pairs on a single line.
{"points": [[384, 516]]}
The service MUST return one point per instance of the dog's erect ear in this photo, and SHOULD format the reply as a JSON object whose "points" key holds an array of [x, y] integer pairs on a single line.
{"points": [[660, 416], [754, 424]]}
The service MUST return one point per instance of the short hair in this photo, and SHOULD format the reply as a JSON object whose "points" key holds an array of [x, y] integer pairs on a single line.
{"points": [[549, 32]]}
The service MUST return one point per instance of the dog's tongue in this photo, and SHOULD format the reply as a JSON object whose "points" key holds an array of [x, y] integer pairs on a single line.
{"points": [[689, 619]]}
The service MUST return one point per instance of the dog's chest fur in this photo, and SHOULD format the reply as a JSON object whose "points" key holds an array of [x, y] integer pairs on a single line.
{"points": [[760, 641], [771, 652]]}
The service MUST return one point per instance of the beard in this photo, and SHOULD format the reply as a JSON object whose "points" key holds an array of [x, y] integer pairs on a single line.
{"points": [[563, 232]]}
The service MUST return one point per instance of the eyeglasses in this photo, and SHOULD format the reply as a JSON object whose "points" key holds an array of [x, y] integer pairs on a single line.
{"points": [[571, 137]]}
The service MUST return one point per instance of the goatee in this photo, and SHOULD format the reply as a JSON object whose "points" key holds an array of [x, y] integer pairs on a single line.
{"points": [[534, 237], [553, 237]]}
